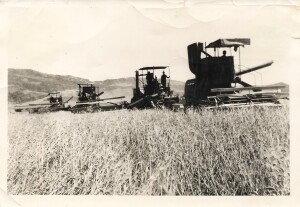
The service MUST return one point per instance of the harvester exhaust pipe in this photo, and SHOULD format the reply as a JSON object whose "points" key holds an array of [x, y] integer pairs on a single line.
{"points": [[254, 68], [137, 79], [194, 55]]}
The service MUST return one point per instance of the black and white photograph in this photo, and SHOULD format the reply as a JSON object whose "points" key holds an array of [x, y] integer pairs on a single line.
{"points": [[155, 99]]}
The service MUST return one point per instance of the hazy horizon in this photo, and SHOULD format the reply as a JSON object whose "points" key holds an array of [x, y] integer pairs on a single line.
{"points": [[110, 40], [109, 78]]}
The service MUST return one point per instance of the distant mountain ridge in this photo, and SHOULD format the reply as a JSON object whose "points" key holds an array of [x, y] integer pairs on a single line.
{"points": [[285, 90], [26, 85]]}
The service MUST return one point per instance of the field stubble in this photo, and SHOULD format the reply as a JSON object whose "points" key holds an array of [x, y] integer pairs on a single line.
{"points": [[153, 152]]}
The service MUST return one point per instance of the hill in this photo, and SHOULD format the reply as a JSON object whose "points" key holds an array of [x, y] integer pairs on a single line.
{"points": [[286, 89], [26, 85]]}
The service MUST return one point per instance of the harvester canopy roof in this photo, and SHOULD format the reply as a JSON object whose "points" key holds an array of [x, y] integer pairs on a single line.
{"points": [[54, 92], [229, 43], [154, 68], [85, 84]]}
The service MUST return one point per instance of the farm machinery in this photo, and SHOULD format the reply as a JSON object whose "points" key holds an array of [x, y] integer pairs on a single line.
{"points": [[89, 100], [55, 103], [218, 84], [152, 94]]}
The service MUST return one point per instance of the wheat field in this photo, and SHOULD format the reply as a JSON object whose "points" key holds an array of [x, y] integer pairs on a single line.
{"points": [[150, 152]]}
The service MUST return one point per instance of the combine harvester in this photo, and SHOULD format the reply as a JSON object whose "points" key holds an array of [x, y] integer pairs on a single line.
{"points": [[153, 94], [56, 103], [89, 101], [217, 84]]}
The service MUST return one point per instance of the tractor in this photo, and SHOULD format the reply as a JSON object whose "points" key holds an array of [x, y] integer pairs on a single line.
{"points": [[56, 103], [89, 100], [154, 93]]}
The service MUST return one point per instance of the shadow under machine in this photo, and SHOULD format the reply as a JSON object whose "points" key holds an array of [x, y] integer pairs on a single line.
{"points": [[154, 92], [89, 100], [218, 83]]}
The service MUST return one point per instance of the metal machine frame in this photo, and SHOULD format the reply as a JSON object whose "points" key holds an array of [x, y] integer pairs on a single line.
{"points": [[216, 75], [153, 94]]}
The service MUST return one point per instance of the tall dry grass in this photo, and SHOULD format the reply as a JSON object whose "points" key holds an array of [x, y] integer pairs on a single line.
{"points": [[239, 152]]}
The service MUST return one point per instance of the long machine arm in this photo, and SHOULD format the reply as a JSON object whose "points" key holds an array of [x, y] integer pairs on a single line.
{"points": [[254, 68], [44, 104], [98, 100], [249, 70], [104, 99], [68, 99]]}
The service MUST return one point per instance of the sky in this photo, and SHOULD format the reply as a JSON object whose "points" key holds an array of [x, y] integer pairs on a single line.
{"points": [[101, 40]]}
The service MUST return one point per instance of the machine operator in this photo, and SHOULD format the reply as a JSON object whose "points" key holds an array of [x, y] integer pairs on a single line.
{"points": [[164, 79], [149, 78]]}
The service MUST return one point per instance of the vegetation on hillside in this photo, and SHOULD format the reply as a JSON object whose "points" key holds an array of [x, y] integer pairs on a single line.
{"points": [[28, 85]]}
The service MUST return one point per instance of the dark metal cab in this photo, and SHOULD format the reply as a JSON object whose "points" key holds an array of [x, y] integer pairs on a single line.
{"points": [[217, 72]]}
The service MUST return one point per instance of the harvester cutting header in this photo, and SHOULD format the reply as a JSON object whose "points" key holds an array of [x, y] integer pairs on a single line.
{"points": [[216, 79]]}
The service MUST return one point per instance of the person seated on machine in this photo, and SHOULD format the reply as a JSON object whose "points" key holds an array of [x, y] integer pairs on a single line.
{"points": [[149, 78]]}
